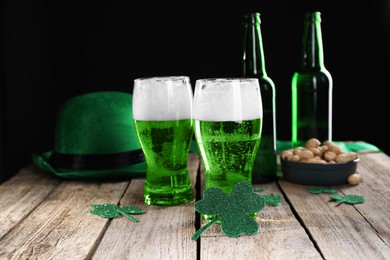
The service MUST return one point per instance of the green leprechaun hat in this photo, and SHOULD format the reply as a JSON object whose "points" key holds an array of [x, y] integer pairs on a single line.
{"points": [[95, 139]]}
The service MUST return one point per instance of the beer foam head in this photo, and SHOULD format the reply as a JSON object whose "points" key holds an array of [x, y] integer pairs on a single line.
{"points": [[227, 99], [162, 98]]}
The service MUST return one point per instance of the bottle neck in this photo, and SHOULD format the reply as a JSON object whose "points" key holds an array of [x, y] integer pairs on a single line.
{"points": [[253, 64], [312, 49]]}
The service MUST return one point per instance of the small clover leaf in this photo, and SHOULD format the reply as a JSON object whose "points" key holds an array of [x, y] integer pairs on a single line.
{"points": [[350, 198], [233, 211], [114, 211], [318, 190], [105, 210], [273, 200]]}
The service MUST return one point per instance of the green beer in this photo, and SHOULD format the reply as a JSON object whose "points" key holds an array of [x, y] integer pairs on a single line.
{"points": [[166, 145], [162, 113], [228, 151], [228, 116]]}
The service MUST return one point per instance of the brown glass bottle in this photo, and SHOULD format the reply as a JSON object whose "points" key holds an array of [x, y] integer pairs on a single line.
{"points": [[253, 65]]}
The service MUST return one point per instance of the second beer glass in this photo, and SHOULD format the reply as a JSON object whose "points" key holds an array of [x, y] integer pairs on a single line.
{"points": [[228, 121], [162, 112]]}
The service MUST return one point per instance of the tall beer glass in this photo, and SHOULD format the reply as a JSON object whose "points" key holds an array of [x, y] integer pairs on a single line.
{"points": [[228, 121], [162, 112]]}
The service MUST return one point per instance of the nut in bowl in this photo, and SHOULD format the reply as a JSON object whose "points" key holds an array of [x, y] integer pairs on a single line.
{"points": [[320, 164]]}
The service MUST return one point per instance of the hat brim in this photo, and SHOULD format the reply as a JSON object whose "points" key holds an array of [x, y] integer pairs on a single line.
{"points": [[123, 173]]}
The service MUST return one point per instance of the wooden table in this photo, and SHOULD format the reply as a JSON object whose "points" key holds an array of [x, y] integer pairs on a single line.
{"points": [[43, 217]]}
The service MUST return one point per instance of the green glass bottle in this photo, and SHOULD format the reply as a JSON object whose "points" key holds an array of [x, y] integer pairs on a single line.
{"points": [[312, 88], [253, 65]]}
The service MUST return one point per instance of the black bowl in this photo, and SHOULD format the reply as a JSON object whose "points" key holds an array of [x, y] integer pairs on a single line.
{"points": [[318, 174]]}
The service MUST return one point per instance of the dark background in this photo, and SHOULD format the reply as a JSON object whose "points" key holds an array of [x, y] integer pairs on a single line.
{"points": [[54, 50]]}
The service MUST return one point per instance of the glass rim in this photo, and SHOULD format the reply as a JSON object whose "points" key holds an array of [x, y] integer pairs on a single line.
{"points": [[163, 78], [229, 79]]}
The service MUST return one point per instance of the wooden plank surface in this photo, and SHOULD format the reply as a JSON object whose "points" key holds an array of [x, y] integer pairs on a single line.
{"points": [[375, 170], [342, 231], [43, 217], [61, 227], [20, 195], [162, 233]]}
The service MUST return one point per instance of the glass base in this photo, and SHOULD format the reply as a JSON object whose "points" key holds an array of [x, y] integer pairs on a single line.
{"points": [[168, 187], [209, 218], [169, 199]]}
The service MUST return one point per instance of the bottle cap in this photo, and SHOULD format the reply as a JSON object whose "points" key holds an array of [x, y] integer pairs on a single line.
{"points": [[252, 18], [313, 16]]}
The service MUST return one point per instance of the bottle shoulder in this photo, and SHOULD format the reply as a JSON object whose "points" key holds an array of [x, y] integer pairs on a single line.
{"points": [[310, 79], [263, 79], [267, 80], [267, 85], [320, 73], [320, 69]]}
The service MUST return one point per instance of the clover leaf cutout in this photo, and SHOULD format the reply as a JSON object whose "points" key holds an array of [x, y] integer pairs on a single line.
{"points": [[235, 212], [114, 211], [273, 200], [318, 190], [350, 198]]}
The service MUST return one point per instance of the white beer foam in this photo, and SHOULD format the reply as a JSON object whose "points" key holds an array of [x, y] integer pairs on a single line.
{"points": [[162, 98], [227, 99]]}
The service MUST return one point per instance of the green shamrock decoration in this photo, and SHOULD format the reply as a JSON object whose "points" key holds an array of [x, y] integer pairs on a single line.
{"points": [[235, 212], [318, 190], [273, 200], [350, 198], [114, 211]]}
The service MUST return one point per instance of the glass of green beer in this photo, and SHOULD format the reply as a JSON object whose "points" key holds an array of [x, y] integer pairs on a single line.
{"points": [[228, 116], [162, 113]]}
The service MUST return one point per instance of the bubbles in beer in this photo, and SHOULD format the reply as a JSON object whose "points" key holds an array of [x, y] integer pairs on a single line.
{"points": [[228, 151]]}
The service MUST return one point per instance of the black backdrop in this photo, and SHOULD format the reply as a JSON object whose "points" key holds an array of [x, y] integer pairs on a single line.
{"points": [[54, 50]]}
